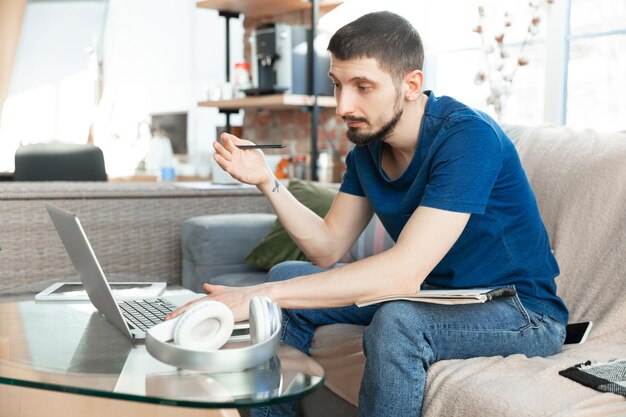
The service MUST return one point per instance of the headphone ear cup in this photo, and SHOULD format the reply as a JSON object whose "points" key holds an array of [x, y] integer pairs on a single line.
{"points": [[260, 328], [276, 318], [206, 325]]}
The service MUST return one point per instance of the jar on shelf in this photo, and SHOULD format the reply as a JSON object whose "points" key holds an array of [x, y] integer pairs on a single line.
{"points": [[242, 78]]}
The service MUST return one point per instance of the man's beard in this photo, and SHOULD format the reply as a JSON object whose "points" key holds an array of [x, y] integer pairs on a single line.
{"points": [[364, 138]]}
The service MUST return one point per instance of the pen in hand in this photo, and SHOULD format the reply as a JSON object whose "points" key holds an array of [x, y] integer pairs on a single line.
{"points": [[266, 146]]}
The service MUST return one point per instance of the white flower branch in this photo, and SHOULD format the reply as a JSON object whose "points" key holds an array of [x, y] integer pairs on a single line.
{"points": [[500, 67]]}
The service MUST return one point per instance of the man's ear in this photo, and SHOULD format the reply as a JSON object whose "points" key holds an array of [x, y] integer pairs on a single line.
{"points": [[414, 80]]}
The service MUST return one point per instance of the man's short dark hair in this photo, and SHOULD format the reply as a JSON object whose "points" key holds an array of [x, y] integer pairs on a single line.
{"points": [[386, 37]]}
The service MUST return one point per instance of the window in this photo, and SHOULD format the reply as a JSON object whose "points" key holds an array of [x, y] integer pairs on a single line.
{"points": [[596, 78], [475, 56], [576, 55], [54, 82]]}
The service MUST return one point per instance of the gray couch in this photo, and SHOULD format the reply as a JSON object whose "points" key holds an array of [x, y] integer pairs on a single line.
{"points": [[215, 246], [579, 178]]}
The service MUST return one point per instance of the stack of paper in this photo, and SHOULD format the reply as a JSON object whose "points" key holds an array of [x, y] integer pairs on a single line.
{"points": [[459, 296]]}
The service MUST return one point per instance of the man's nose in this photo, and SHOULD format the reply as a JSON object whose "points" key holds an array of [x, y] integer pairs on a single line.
{"points": [[345, 104]]}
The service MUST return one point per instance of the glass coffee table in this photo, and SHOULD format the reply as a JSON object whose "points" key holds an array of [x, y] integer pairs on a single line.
{"points": [[70, 347]]}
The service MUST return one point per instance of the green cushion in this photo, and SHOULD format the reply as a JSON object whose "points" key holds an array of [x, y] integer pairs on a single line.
{"points": [[277, 246]]}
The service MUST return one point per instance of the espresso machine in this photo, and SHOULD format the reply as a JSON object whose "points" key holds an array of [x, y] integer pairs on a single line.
{"points": [[280, 61]]}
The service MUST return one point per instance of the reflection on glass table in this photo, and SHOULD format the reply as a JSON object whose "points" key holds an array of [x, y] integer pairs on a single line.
{"points": [[68, 346]]}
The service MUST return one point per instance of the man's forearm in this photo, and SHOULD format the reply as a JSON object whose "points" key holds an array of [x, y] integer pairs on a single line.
{"points": [[425, 240], [382, 274]]}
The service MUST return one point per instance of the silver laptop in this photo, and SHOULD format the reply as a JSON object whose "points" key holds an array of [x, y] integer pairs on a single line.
{"points": [[131, 317]]}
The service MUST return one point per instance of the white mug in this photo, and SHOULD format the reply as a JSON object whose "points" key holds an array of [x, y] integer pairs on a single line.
{"points": [[227, 91]]}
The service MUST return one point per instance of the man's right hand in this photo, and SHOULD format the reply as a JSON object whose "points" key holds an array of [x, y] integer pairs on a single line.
{"points": [[247, 166]]}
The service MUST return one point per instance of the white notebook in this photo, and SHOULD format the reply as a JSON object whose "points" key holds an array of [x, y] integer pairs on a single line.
{"points": [[458, 296]]}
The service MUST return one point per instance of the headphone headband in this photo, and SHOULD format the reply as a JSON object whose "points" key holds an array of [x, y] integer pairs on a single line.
{"points": [[214, 361]]}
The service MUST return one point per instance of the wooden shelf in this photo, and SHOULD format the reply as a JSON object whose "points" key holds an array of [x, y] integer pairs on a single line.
{"points": [[270, 9], [259, 8], [274, 101]]}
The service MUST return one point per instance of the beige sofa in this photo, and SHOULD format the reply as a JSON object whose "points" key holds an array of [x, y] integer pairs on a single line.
{"points": [[579, 178]]}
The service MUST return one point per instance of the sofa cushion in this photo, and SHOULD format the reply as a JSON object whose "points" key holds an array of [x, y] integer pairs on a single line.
{"points": [[373, 240], [502, 386], [277, 246], [579, 179], [240, 279], [215, 245]]}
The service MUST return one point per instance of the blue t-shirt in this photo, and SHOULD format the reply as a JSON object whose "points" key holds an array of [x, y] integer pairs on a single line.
{"points": [[464, 162]]}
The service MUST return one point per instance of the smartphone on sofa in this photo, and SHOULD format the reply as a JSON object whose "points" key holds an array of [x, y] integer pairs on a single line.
{"points": [[577, 333]]}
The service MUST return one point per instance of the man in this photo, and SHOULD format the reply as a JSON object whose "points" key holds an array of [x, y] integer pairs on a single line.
{"points": [[449, 187]]}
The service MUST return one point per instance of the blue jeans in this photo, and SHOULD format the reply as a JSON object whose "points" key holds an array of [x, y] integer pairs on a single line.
{"points": [[404, 338]]}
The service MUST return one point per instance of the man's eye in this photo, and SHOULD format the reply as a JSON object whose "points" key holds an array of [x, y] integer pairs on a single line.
{"points": [[363, 87]]}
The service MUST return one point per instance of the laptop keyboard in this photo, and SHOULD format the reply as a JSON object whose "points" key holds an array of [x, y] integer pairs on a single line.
{"points": [[143, 314]]}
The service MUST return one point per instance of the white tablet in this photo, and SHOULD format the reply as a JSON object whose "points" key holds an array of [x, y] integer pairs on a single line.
{"points": [[74, 291]]}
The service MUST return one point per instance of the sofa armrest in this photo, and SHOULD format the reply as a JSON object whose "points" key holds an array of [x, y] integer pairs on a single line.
{"points": [[215, 245]]}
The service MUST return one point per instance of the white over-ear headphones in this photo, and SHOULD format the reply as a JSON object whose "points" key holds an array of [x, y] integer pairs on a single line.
{"points": [[206, 326]]}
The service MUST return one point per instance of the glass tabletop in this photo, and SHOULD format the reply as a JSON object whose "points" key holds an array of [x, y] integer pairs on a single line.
{"points": [[70, 347]]}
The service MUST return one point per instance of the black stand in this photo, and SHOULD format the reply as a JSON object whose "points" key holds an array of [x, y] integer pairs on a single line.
{"points": [[312, 87], [315, 111], [228, 16]]}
